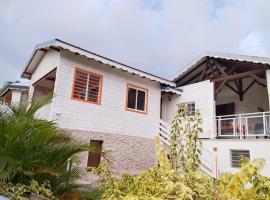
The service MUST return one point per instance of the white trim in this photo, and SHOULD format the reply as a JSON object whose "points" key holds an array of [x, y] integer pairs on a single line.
{"points": [[74, 49]]}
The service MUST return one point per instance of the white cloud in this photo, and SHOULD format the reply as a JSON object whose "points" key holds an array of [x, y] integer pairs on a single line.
{"points": [[157, 36]]}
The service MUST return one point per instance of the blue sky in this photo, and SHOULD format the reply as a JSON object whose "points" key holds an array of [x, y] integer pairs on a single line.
{"points": [[158, 36]]}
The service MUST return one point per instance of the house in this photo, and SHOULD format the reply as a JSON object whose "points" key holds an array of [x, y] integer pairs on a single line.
{"points": [[16, 93], [122, 109], [232, 94]]}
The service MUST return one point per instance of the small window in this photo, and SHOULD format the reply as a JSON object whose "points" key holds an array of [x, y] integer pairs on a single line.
{"points": [[190, 108], [87, 86], [236, 156], [94, 154], [136, 98]]}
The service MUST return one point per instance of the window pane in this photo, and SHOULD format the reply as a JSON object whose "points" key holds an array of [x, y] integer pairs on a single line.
{"points": [[141, 100], [93, 88], [131, 98], [80, 85]]}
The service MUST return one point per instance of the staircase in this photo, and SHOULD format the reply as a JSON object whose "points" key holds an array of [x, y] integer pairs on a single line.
{"points": [[208, 158]]}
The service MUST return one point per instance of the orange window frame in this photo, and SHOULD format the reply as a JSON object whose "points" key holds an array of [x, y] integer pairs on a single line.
{"points": [[129, 85], [77, 69]]}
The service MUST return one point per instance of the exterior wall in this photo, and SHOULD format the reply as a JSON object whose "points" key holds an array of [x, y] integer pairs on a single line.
{"points": [[110, 116], [256, 147], [50, 61], [127, 153], [202, 94], [256, 96], [16, 96]]}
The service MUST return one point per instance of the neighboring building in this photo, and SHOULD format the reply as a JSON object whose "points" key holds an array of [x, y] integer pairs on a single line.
{"points": [[16, 93], [122, 109]]}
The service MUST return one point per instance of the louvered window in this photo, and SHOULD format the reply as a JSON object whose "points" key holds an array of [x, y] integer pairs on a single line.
{"points": [[87, 86], [236, 156]]}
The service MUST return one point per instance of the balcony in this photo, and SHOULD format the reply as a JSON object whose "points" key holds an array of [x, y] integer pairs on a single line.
{"points": [[243, 126]]}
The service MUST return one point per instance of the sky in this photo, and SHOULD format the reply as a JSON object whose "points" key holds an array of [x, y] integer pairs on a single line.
{"points": [[157, 36]]}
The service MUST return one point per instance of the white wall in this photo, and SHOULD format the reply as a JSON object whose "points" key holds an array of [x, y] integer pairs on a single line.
{"points": [[202, 94], [16, 96], [256, 147], [50, 61], [110, 116], [255, 97]]}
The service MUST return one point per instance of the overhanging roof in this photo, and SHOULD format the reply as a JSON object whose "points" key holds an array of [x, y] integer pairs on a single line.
{"points": [[234, 57], [40, 51], [15, 86]]}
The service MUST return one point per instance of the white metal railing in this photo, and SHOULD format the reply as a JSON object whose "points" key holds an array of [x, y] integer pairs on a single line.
{"points": [[163, 131], [244, 125], [208, 158]]}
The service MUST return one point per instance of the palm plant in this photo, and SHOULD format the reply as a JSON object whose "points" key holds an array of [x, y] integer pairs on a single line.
{"points": [[32, 148]]}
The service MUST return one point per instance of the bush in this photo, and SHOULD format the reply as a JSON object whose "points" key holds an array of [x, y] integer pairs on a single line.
{"points": [[35, 149], [21, 192]]}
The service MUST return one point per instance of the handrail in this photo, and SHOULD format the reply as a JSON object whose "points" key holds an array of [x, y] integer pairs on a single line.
{"points": [[243, 114], [246, 124]]}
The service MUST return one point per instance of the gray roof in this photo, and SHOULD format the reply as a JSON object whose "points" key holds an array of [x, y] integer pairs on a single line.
{"points": [[235, 57], [39, 52], [15, 86]]}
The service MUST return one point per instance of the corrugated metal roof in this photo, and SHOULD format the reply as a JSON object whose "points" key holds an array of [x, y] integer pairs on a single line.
{"points": [[226, 56], [15, 86], [77, 50], [171, 90]]}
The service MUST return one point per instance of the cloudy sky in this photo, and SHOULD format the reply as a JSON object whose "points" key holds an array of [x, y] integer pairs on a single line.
{"points": [[158, 36]]}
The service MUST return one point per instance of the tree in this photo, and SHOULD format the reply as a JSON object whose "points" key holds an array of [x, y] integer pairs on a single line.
{"points": [[32, 148]]}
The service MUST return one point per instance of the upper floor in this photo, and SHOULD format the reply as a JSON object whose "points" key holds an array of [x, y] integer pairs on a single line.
{"points": [[98, 94]]}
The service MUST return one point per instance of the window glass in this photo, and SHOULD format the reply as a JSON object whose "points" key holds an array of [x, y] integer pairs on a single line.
{"points": [[141, 100], [132, 98]]}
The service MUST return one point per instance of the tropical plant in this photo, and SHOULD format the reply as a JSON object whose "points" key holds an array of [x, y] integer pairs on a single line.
{"points": [[185, 148], [177, 178], [248, 183], [32, 148], [21, 191]]}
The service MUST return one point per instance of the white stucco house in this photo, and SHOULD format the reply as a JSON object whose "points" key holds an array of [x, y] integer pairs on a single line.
{"points": [[16, 93], [122, 109]]}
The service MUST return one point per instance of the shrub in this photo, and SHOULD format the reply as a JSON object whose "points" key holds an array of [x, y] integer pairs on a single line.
{"points": [[36, 149], [248, 183], [21, 192], [178, 178]]}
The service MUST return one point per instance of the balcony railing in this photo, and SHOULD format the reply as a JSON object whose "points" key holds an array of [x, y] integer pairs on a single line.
{"points": [[254, 125]]}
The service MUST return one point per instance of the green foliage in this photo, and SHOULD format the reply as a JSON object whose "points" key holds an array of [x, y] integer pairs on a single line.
{"points": [[32, 148], [21, 192], [185, 148], [180, 179], [248, 183], [93, 194], [157, 183]]}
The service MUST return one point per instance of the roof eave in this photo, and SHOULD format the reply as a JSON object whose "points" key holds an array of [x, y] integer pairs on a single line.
{"points": [[74, 49]]}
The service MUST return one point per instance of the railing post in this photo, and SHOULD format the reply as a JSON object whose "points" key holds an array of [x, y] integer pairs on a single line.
{"points": [[264, 124], [219, 126]]}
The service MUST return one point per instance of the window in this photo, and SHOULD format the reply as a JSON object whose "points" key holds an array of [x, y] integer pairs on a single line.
{"points": [[190, 108], [236, 156], [94, 154], [87, 86], [137, 98]]}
